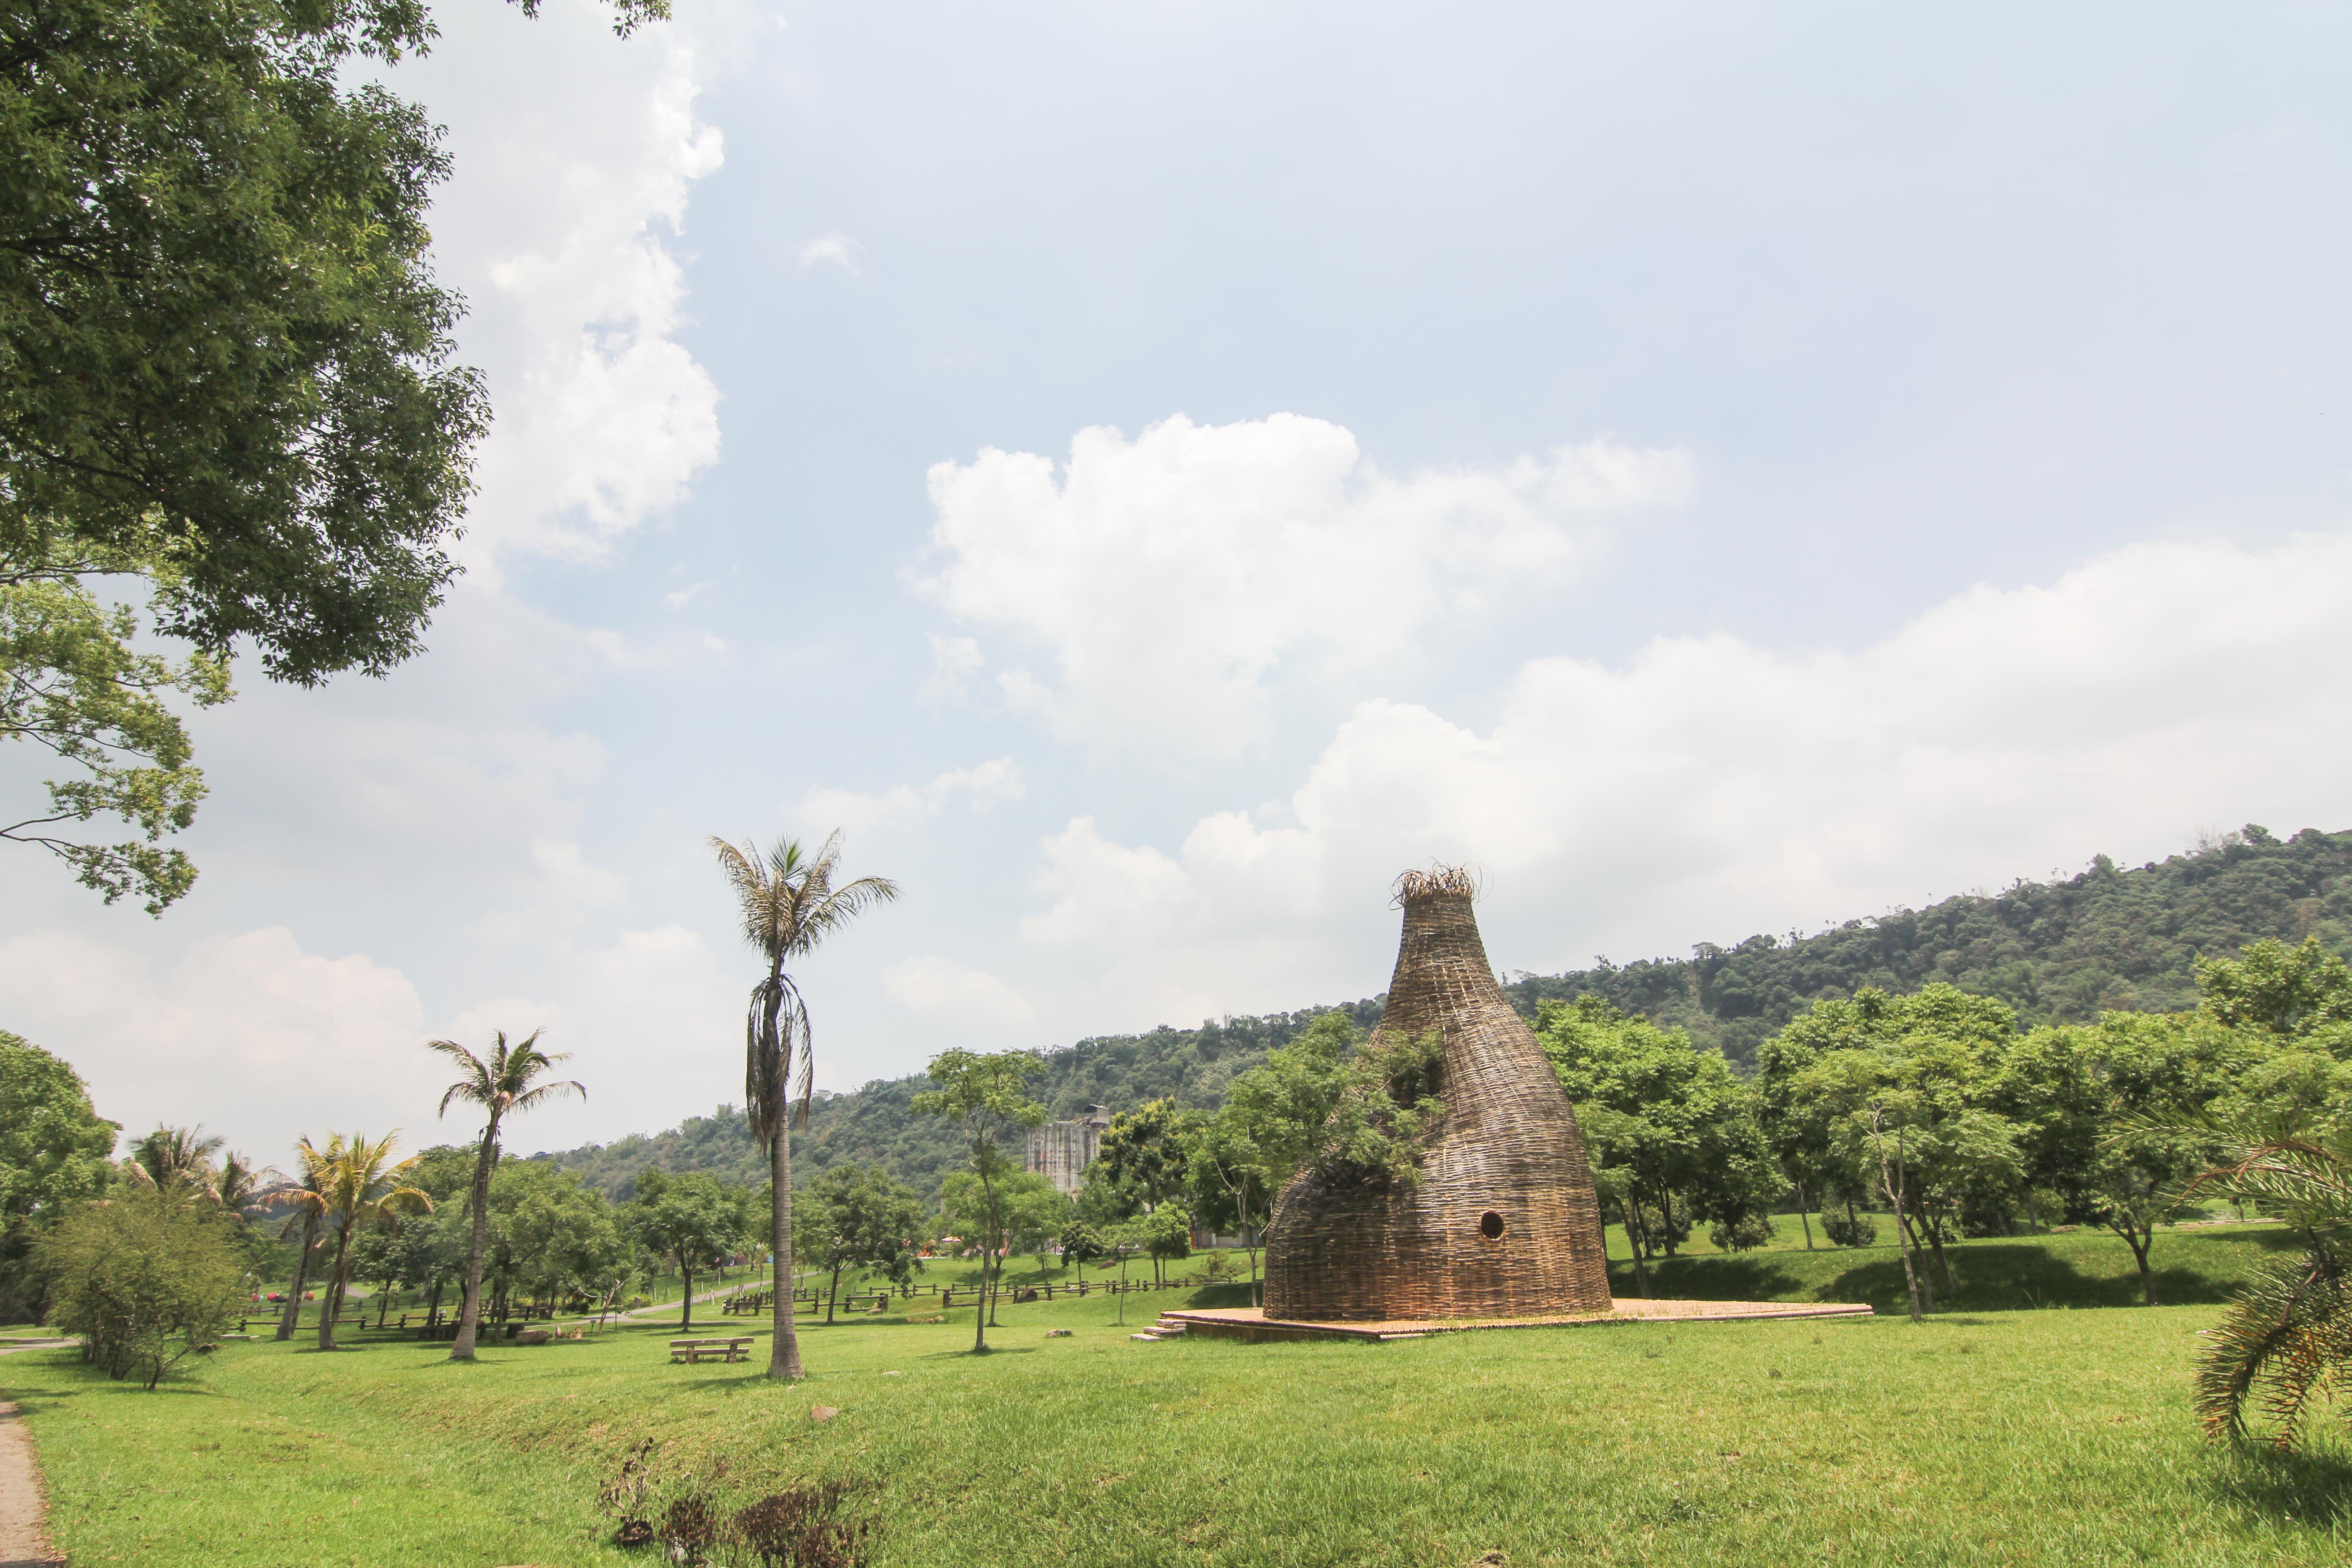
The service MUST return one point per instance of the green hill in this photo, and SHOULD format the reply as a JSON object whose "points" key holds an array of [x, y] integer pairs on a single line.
{"points": [[2058, 951]]}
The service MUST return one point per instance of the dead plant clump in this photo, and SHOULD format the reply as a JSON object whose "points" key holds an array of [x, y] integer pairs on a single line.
{"points": [[679, 1497]]}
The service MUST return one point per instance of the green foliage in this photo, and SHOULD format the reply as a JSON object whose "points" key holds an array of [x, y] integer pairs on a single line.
{"points": [[1848, 1230], [53, 1157], [2294, 992], [2063, 951], [855, 1217], [1670, 1132], [73, 684], [1384, 1115], [142, 1279]]}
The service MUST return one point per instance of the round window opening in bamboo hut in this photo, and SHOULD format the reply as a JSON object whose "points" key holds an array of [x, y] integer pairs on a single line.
{"points": [[1490, 1226]]}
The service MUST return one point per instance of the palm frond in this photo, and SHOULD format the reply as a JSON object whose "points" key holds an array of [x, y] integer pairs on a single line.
{"points": [[2288, 1332]]}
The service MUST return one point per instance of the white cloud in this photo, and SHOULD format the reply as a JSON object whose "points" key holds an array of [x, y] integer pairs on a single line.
{"points": [[324, 1041], [1710, 788], [571, 180], [1170, 579], [946, 992], [834, 247], [955, 661], [981, 787]]}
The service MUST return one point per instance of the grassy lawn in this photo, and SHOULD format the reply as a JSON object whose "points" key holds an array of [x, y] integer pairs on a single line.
{"points": [[2058, 1437]]}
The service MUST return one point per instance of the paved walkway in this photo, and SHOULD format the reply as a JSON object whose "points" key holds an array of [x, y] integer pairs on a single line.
{"points": [[23, 1542]]}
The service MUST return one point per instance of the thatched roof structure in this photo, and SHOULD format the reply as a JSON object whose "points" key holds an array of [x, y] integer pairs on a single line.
{"points": [[1502, 1222]]}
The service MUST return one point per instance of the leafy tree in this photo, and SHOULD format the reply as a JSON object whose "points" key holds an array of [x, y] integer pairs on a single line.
{"points": [[510, 1080], [142, 1279], [1228, 1183], [2147, 1065], [867, 1221], [690, 1222], [356, 1185], [73, 684], [1017, 1211], [53, 1157], [224, 374], [1386, 1111], [789, 905], [2290, 992], [1666, 1124], [1167, 1236], [987, 1096], [1144, 1148], [552, 1238], [1081, 1243]]}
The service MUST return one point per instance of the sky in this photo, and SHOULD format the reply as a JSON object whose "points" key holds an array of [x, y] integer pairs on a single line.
{"points": [[1148, 475]]}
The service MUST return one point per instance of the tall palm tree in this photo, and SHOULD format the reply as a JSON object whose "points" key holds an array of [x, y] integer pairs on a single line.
{"points": [[501, 1084], [306, 1195], [360, 1187], [789, 905]]}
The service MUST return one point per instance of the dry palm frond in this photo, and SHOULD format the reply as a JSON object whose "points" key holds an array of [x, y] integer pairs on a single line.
{"points": [[789, 905], [1440, 881]]}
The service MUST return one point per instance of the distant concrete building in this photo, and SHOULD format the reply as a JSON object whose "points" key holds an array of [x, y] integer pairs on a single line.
{"points": [[1061, 1151]]}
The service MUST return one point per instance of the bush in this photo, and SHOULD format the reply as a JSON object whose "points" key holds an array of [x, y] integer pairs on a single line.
{"points": [[1859, 1231], [1745, 1234], [142, 1279]]}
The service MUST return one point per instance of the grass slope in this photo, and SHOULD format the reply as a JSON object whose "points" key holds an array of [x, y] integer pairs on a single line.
{"points": [[2028, 1437]]}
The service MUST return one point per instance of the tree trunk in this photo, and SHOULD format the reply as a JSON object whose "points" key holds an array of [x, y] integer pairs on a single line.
{"points": [[301, 1273], [1666, 1216], [833, 1293], [1633, 1246], [1804, 1218], [1890, 1178], [686, 1276], [333, 1307], [2131, 1233], [785, 1349], [469, 1316], [1943, 1265]]}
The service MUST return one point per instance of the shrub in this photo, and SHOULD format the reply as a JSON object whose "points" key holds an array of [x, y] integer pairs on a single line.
{"points": [[1745, 1234], [804, 1526], [142, 1279], [1859, 1231]]}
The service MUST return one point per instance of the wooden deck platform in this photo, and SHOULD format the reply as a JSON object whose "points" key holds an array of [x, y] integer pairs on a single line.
{"points": [[1252, 1323]]}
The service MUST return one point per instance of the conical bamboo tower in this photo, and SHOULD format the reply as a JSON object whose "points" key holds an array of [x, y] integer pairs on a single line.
{"points": [[1503, 1222]]}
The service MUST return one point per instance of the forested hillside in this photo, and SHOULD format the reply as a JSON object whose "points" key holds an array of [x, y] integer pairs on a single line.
{"points": [[2058, 951]]}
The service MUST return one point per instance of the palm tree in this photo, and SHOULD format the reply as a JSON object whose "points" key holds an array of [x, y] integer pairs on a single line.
{"points": [[357, 1186], [789, 905], [176, 1159], [306, 1196], [2289, 1331], [500, 1085]]}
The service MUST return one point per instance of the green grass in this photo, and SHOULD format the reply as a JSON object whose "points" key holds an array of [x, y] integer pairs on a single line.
{"points": [[2199, 1265], [2040, 1438]]}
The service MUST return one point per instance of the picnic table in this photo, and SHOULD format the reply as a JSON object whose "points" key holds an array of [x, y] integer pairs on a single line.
{"points": [[692, 1351]]}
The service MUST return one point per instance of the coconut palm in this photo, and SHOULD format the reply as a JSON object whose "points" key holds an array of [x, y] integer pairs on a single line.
{"points": [[789, 905], [2289, 1331], [176, 1159], [352, 1185], [305, 1195], [502, 1083]]}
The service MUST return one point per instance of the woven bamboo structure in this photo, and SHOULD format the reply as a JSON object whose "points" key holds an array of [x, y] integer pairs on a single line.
{"points": [[1503, 1222]]}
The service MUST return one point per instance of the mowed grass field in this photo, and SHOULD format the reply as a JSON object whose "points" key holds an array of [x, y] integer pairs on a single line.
{"points": [[2033, 1436]]}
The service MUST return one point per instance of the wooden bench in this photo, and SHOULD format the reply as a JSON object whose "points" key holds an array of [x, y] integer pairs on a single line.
{"points": [[692, 1351]]}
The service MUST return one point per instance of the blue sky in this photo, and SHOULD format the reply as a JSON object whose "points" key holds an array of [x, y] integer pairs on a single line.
{"points": [[1151, 474]]}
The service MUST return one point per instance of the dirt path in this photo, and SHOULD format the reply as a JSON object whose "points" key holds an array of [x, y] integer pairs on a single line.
{"points": [[24, 1542]]}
